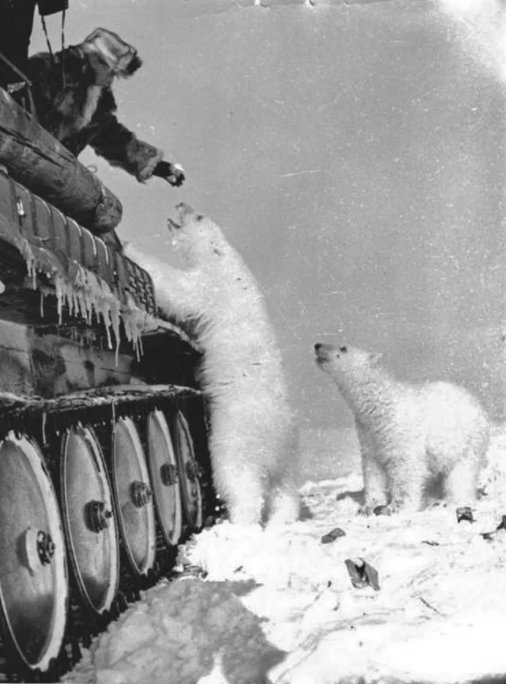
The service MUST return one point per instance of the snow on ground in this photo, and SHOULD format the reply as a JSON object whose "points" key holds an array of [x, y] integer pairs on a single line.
{"points": [[278, 605]]}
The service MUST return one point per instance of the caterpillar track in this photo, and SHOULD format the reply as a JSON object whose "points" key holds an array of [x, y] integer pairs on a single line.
{"points": [[104, 466]]}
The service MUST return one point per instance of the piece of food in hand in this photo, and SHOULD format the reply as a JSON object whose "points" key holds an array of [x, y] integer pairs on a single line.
{"points": [[172, 173]]}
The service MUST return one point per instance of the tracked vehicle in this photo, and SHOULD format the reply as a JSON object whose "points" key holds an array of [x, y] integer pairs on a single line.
{"points": [[103, 458]]}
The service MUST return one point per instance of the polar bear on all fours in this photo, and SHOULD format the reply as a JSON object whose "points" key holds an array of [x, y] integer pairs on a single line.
{"points": [[410, 436], [253, 438]]}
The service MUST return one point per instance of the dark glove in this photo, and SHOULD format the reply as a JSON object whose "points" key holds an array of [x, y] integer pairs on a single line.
{"points": [[172, 173]]}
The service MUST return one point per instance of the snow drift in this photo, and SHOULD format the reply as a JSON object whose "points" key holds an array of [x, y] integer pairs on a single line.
{"points": [[279, 606]]}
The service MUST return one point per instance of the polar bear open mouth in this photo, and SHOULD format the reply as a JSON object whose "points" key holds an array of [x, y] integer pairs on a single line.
{"points": [[173, 225], [324, 352], [321, 355], [185, 211]]}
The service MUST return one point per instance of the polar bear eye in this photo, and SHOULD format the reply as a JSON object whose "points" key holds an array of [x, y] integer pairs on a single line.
{"points": [[343, 349]]}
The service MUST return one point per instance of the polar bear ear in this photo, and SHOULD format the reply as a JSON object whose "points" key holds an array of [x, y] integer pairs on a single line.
{"points": [[375, 358]]}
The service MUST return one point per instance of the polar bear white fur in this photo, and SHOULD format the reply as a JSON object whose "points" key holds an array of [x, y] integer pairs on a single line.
{"points": [[410, 436], [253, 438]]}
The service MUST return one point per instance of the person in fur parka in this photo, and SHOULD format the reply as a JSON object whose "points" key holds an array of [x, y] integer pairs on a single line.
{"points": [[72, 92]]}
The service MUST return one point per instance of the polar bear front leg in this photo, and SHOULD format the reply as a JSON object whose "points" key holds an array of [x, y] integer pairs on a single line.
{"points": [[243, 494], [375, 493], [406, 476], [284, 504], [237, 477], [183, 294]]}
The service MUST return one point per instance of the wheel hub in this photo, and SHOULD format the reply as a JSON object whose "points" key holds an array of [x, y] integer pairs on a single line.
{"points": [[168, 474], [97, 516], [140, 493], [45, 547]]}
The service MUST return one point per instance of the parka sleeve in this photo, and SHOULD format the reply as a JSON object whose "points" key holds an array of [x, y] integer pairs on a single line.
{"points": [[122, 148]]}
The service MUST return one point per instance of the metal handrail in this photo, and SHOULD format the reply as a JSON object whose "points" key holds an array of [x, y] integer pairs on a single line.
{"points": [[25, 83]]}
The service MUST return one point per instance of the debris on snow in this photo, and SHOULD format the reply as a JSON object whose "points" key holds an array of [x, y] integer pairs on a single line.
{"points": [[277, 606], [333, 535], [362, 574], [464, 514]]}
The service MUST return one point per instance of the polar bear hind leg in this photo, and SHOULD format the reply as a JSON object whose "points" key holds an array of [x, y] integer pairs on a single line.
{"points": [[283, 503], [281, 455], [244, 497], [458, 432], [460, 483], [237, 474]]}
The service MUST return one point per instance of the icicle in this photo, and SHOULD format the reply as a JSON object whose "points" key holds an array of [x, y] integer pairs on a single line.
{"points": [[116, 352], [83, 294], [135, 321], [140, 346], [30, 261], [44, 418], [59, 297]]}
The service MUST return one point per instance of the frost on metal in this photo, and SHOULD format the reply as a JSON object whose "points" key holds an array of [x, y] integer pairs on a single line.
{"points": [[82, 294]]}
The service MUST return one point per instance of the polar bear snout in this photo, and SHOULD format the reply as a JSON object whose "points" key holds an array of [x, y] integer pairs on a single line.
{"points": [[319, 350], [186, 215], [325, 352]]}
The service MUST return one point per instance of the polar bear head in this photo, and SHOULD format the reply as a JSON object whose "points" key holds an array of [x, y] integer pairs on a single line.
{"points": [[198, 239], [344, 361]]}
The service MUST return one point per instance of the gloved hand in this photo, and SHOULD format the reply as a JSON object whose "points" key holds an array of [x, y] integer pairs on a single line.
{"points": [[172, 173]]}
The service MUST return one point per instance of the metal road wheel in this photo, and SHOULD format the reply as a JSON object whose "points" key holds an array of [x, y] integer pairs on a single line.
{"points": [[33, 570], [134, 497], [90, 524], [165, 478], [189, 471]]}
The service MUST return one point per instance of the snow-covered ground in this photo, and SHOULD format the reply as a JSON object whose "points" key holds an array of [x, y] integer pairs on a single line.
{"points": [[279, 606]]}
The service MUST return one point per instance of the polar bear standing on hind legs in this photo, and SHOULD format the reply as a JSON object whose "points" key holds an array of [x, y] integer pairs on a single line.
{"points": [[253, 439], [409, 435]]}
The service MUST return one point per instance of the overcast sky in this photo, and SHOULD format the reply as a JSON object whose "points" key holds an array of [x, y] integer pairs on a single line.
{"points": [[353, 154]]}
